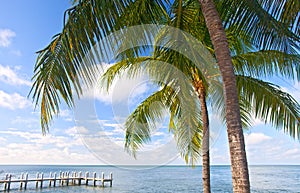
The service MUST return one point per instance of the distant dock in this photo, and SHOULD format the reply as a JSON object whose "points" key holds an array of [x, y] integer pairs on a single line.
{"points": [[61, 179]]}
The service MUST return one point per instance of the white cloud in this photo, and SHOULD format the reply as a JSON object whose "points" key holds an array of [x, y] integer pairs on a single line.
{"points": [[108, 149], [107, 143], [25, 135], [5, 37], [66, 115], [13, 101], [32, 147], [75, 131], [256, 138], [28, 122], [39, 139], [158, 133], [20, 153], [9, 76], [292, 152]]}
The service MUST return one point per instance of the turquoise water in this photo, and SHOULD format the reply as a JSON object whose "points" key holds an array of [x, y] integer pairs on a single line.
{"points": [[169, 179]]}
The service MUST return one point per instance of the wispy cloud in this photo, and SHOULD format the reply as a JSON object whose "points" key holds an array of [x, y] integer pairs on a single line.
{"points": [[13, 101], [6, 36], [59, 141], [66, 115], [9, 76], [292, 152], [62, 149], [20, 153], [107, 143], [256, 138], [108, 148], [76, 131], [28, 122]]}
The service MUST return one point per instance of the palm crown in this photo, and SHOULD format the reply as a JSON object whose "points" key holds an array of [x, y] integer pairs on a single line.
{"points": [[60, 64]]}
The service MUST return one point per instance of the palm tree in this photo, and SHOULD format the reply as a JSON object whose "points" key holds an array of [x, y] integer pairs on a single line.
{"points": [[201, 92], [59, 66], [272, 102], [239, 165]]}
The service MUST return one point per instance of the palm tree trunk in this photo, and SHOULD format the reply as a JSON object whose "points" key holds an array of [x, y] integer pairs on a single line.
{"points": [[239, 165], [201, 91]]}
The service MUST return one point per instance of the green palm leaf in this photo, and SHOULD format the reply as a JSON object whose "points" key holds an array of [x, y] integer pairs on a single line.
{"points": [[267, 63], [265, 21], [187, 131], [271, 104], [70, 59]]}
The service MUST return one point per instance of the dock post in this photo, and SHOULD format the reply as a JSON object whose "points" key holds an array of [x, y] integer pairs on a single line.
{"points": [[37, 180], [54, 183], [102, 179], [21, 181], [50, 179], [79, 180], [9, 181], [26, 180], [68, 177], [73, 176], [111, 179], [62, 178], [42, 180], [5, 184], [86, 178], [94, 178]]}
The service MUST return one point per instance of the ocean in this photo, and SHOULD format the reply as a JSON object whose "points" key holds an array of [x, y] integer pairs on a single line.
{"points": [[161, 179]]}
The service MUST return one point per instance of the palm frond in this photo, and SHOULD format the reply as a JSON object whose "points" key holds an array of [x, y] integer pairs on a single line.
{"points": [[183, 107], [53, 78], [142, 121], [186, 129], [184, 52], [194, 150], [286, 11], [267, 63], [266, 22], [245, 110], [270, 104], [131, 67], [70, 59]]}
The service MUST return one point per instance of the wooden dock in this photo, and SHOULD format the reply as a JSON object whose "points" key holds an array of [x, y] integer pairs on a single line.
{"points": [[62, 179]]}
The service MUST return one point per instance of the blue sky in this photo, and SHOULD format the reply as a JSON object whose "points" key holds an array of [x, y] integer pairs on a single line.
{"points": [[28, 26]]}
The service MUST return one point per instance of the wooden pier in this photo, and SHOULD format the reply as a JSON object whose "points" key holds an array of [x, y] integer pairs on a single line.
{"points": [[61, 179]]}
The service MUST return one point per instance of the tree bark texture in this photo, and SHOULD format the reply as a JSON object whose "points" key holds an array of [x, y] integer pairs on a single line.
{"points": [[239, 165], [201, 91]]}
